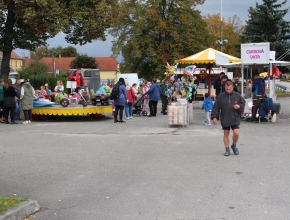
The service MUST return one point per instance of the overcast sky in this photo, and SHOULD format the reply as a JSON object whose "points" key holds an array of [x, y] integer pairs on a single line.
{"points": [[103, 49]]}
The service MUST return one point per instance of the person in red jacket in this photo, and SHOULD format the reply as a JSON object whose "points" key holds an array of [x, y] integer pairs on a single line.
{"points": [[129, 104], [77, 76]]}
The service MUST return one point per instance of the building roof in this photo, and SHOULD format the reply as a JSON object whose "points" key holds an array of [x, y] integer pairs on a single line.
{"points": [[26, 61], [63, 63], [13, 55]]}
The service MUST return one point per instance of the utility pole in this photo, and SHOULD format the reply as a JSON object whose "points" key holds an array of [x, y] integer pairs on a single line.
{"points": [[221, 41], [53, 64]]}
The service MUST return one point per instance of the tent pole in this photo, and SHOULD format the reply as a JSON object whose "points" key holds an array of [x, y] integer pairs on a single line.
{"points": [[209, 79], [242, 85], [271, 84]]}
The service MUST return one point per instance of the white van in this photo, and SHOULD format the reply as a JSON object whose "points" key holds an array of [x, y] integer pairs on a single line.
{"points": [[130, 77]]}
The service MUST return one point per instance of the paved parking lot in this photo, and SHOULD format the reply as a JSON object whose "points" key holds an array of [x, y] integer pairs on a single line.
{"points": [[78, 169]]}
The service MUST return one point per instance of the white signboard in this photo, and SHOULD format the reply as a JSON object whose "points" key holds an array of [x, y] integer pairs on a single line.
{"points": [[71, 84], [257, 53]]}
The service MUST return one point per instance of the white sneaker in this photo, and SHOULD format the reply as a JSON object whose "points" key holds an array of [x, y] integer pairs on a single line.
{"points": [[208, 124], [131, 117], [29, 122], [128, 118], [25, 122]]}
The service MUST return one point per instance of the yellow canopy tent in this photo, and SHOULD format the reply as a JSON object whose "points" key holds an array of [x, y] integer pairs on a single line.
{"points": [[264, 74], [209, 57]]}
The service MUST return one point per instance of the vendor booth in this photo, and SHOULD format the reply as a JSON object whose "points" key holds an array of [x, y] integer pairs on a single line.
{"points": [[209, 57], [259, 53]]}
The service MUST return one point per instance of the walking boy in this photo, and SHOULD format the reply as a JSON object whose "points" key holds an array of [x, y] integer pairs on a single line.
{"points": [[207, 106]]}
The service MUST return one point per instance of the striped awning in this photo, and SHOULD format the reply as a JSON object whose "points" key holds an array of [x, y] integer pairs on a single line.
{"points": [[207, 56]]}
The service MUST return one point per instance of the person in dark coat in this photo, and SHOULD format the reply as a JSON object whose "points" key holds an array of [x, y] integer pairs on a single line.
{"points": [[9, 103], [224, 79], [154, 96], [120, 102], [229, 105], [1, 100], [258, 90], [217, 84]]}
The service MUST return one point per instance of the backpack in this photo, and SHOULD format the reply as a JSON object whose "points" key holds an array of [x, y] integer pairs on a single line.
{"points": [[115, 94]]}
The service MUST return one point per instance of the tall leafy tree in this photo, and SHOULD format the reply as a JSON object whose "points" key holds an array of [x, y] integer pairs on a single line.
{"points": [[230, 32], [151, 33], [84, 61], [69, 51], [266, 24], [28, 24]]}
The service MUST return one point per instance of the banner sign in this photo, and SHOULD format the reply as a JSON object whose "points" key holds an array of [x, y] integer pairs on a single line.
{"points": [[257, 53]]}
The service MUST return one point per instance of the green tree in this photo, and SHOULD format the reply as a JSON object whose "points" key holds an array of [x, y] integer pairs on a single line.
{"points": [[84, 61], [230, 32], [68, 52], [38, 80], [151, 33], [28, 24], [35, 68], [39, 53], [44, 51], [266, 24]]}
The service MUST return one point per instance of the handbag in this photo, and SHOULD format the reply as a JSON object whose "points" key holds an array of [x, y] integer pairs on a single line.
{"points": [[9, 102]]}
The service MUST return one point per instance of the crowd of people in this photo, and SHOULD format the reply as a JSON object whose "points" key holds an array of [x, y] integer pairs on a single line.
{"points": [[13, 98], [167, 91], [227, 108], [18, 97]]}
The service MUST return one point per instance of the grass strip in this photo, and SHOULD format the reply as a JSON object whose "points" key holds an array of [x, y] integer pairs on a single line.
{"points": [[7, 203], [282, 94]]}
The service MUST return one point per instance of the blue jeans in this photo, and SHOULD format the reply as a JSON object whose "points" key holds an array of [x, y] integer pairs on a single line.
{"points": [[129, 109], [17, 109]]}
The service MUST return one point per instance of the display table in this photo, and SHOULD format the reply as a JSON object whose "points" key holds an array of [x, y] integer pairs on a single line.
{"points": [[179, 113]]}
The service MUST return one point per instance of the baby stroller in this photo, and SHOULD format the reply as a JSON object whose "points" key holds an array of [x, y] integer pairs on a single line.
{"points": [[138, 106]]}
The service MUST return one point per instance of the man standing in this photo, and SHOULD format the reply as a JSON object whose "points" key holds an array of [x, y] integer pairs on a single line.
{"points": [[78, 77], [230, 105], [17, 87], [164, 98], [258, 90], [154, 96], [217, 84]]}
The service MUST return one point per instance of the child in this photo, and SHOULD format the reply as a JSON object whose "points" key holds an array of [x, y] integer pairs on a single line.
{"points": [[207, 106], [102, 89], [59, 87], [47, 90]]}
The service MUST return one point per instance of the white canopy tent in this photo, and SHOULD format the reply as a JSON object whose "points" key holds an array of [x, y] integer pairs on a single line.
{"points": [[270, 63]]}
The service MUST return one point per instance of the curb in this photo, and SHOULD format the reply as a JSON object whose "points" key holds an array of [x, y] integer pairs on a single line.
{"points": [[20, 211]]}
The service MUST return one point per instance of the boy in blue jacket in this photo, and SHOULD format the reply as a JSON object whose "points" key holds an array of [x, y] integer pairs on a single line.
{"points": [[207, 106]]}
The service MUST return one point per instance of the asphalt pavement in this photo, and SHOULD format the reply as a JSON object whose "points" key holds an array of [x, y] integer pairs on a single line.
{"points": [[145, 170]]}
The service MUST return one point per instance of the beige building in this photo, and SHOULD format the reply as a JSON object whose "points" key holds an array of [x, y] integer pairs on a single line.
{"points": [[15, 61]]}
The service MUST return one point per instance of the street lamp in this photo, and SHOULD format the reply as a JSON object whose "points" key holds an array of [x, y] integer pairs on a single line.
{"points": [[221, 41]]}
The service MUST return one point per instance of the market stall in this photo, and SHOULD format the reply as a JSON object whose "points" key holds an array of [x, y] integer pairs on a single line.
{"points": [[210, 57], [179, 113]]}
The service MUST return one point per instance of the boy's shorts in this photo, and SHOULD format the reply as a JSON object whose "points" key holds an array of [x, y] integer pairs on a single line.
{"points": [[233, 127]]}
